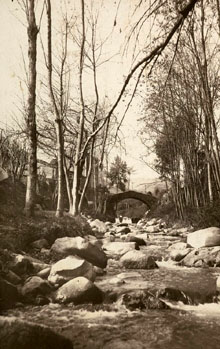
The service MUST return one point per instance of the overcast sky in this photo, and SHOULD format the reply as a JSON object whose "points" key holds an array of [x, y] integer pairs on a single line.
{"points": [[13, 40]]}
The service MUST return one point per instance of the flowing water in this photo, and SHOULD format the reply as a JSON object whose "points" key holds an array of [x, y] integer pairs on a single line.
{"points": [[112, 326]]}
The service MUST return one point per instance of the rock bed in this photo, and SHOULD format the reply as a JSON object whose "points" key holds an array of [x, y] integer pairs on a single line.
{"points": [[81, 268]]}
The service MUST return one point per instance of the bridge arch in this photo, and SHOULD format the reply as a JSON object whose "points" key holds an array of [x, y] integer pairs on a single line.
{"points": [[148, 199]]}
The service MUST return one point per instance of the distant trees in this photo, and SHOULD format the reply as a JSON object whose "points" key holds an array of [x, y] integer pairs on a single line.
{"points": [[118, 173], [13, 155]]}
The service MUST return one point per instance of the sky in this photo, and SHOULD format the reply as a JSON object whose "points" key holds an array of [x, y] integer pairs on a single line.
{"points": [[13, 41]]}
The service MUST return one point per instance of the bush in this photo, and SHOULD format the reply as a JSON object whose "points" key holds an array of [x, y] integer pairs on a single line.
{"points": [[18, 232]]}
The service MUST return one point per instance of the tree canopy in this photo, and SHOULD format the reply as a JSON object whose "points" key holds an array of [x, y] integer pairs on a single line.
{"points": [[118, 173]]}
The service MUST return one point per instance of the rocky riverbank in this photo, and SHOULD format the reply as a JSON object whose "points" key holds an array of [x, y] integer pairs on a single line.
{"points": [[115, 265]]}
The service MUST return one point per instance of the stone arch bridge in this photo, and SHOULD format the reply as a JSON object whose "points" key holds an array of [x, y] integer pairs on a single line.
{"points": [[148, 199]]}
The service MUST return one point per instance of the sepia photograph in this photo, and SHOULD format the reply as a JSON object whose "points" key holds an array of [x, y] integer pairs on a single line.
{"points": [[110, 174]]}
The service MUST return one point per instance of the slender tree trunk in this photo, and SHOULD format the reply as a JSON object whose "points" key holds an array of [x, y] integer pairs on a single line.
{"points": [[58, 119], [67, 184], [88, 176], [95, 189], [77, 169], [31, 117], [60, 161], [218, 12]]}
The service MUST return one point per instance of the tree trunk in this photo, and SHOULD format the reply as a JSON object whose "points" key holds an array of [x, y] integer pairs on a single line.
{"points": [[31, 117], [60, 161], [58, 119], [88, 175], [68, 188], [74, 209], [77, 167]]}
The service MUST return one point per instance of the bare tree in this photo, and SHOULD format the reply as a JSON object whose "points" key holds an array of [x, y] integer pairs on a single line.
{"points": [[58, 112], [32, 32], [77, 163]]}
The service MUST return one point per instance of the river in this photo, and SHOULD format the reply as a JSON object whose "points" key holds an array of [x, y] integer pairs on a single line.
{"points": [[113, 326]]}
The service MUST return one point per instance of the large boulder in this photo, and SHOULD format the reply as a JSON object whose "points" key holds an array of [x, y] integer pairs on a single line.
{"points": [[15, 333], [204, 238], [202, 257], [79, 290], [70, 268], [138, 260], [81, 247], [118, 249]]}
